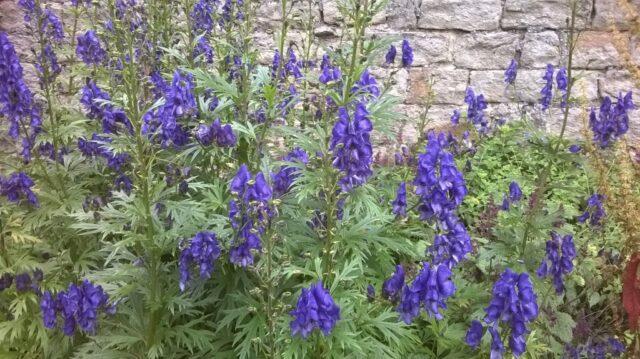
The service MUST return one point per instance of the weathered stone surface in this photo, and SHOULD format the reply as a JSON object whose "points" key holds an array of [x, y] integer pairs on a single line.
{"points": [[595, 50], [397, 80], [443, 85], [429, 48], [330, 12], [401, 14], [540, 49], [608, 12], [487, 50], [616, 81], [460, 14], [549, 14]]}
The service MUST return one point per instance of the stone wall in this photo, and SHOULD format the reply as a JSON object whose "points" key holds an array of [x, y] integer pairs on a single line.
{"points": [[461, 43]]}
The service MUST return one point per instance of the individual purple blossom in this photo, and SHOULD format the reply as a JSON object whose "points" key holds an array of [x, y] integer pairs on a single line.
{"points": [[400, 202], [438, 181], [562, 83], [390, 57], [371, 293], [392, 287], [204, 49], [78, 306], [203, 250], [429, 291], [455, 117], [328, 72], [547, 90], [560, 252], [315, 309], [284, 178], [474, 334], [497, 347], [89, 49], [407, 54], [575, 148], [17, 187], [23, 282], [223, 136], [511, 72], [594, 212], [351, 146], [515, 195], [475, 110], [367, 85], [612, 121]]}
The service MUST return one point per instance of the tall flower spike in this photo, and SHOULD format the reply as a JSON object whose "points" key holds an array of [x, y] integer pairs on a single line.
{"points": [[547, 90], [315, 309], [562, 82], [351, 146], [559, 260], [594, 212], [400, 203], [511, 72], [612, 121], [453, 244], [475, 110], [390, 57]]}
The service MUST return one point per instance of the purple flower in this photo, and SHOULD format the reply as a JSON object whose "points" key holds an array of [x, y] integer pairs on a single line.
{"points": [[284, 178], [513, 303], [392, 287], [515, 195], [95, 102], [407, 53], [371, 293], [594, 211], [203, 250], [559, 260], [511, 72], [575, 148], [5, 281], [23, 282], [475, 109], [367, 85], [390, 57], [547, 90], [201, 16], [78, 306], [429, 291], [293, 67], [400, 203], [18, 187], [16, 100], [474, 334], [438, 181], [51, 26], [89, 49], [47, 64], [612, 121], [222, 135], [204, 49], [315, 309], [453, 243], [455, 117], [562, 82], [351, 147], [328, 73]]}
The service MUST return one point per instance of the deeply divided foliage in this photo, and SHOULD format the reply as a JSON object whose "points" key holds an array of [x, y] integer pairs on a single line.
{"points": [[168, 193]]}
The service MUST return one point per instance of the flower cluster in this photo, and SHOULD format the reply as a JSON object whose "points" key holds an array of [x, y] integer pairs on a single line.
{"points": [[47, 63], [392, 287], [223, 136], [179, 103], [453, 242], [596, 350], [204, 49], [366, 85], [515, 195], [429, 290], [78, 306], [438, 181], [18, 187], [515, 303], [203, 250], [201, 16], [351, 146], [511, 72], [24, 281], [89, 49], [95, 147], [283, 179], [249, 213], [400, 202], [315, 309], [95, 101], [594, 211], [612, 121], [547, 90], [407, 54], [16, 100], [559, 261], [475, 110], [328, 72], [562, 82]]}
